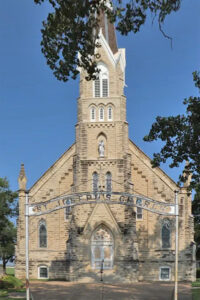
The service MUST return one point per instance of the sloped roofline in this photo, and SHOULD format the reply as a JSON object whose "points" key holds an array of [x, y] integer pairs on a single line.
{"points": [[51, 167], [157, 168]]}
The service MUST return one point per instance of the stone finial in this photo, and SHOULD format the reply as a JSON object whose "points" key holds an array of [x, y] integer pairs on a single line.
{"points": [[22, 180], [187, 174]]}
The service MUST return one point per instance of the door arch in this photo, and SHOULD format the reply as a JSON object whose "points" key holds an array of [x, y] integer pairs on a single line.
{"points": [[102, 248]]}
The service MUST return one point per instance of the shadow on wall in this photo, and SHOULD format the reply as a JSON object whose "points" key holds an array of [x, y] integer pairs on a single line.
{"points": [[153, 257], [145, 260]]}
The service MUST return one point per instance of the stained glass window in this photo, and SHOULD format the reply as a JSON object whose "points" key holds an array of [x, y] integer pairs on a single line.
{"points": [[139, 213], [166, 233], [42, 234], [68, 209], [108, 182], [95, 179]]}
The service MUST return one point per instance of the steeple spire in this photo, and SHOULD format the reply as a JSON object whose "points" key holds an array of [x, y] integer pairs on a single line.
{"points": [[108, 31]]}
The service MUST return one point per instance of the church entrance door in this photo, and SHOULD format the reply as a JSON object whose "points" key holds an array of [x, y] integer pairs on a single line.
{"points": [[102, 246]]}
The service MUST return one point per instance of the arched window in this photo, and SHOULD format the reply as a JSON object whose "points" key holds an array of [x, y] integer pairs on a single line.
{"points": [[139, 213], [42, 234], [108, 182], [95, 180], [102, 248], [166, 234], [110, 113], [93, 113], [101, 113], [68, 209], [101, 83]]}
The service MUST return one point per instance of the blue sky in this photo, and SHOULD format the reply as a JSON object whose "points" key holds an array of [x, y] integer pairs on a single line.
{"points": [[38, 113]]}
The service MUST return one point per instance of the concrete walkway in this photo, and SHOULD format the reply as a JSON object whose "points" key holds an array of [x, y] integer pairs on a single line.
{"points": [[54, 290]]}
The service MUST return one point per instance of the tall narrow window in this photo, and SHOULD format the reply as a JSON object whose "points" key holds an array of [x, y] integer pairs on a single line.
{"points": [[110, 113], [108, 182], [42, 234], [101, 113], [93, 113], [139, 213], [105, 87], [95, 179], [101, 84], [68, 209], [166, 233], [97, 93]]}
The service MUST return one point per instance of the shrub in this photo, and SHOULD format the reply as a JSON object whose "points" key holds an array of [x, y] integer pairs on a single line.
{"points": [[10, 282]]}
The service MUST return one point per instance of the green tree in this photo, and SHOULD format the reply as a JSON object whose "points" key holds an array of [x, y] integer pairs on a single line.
{"points": [[8, 209], [196, 213], [7, 244], [181, 137], [72, 28]]}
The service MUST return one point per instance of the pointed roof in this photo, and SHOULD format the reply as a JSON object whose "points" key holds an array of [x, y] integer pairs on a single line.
{"points": [[108, 30]]}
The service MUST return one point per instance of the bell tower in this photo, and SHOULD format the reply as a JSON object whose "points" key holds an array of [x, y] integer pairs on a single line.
{"points": [[102, 130]]}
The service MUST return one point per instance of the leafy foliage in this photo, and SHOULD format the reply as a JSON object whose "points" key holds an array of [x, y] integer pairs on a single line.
{"points": [[7, 244], [10, 282], [8, 209], [181, 135], [69, 35], [8, 203]]}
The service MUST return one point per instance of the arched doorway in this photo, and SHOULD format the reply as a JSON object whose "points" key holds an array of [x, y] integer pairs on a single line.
{"points": [[102, 248]]}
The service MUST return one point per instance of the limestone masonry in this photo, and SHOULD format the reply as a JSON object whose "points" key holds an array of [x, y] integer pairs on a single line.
{"points": [[129, 243]]}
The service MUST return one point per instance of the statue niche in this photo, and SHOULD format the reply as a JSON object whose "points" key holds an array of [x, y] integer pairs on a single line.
{"points": [[101, 148], [101, 145]]}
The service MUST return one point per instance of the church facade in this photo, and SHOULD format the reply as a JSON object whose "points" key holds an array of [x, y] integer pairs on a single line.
{"points": [[129, 243]]}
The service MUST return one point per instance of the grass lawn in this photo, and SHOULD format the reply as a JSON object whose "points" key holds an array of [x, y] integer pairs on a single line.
{"points": [[10, 271], [4, 294], [195, 294], [6, 298]]}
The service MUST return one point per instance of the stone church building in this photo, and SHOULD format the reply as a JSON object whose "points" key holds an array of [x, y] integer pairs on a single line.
{"points": [[129, 243]]}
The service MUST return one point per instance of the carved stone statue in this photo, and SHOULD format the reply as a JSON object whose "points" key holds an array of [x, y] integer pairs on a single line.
{"points": [[101, 148]]}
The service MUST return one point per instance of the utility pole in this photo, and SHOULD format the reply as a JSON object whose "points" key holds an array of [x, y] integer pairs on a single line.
{"points": [[176, 249], [27, 246]]}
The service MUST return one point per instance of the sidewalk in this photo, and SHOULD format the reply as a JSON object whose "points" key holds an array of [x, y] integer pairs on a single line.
{"points": [[54, 290]]}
